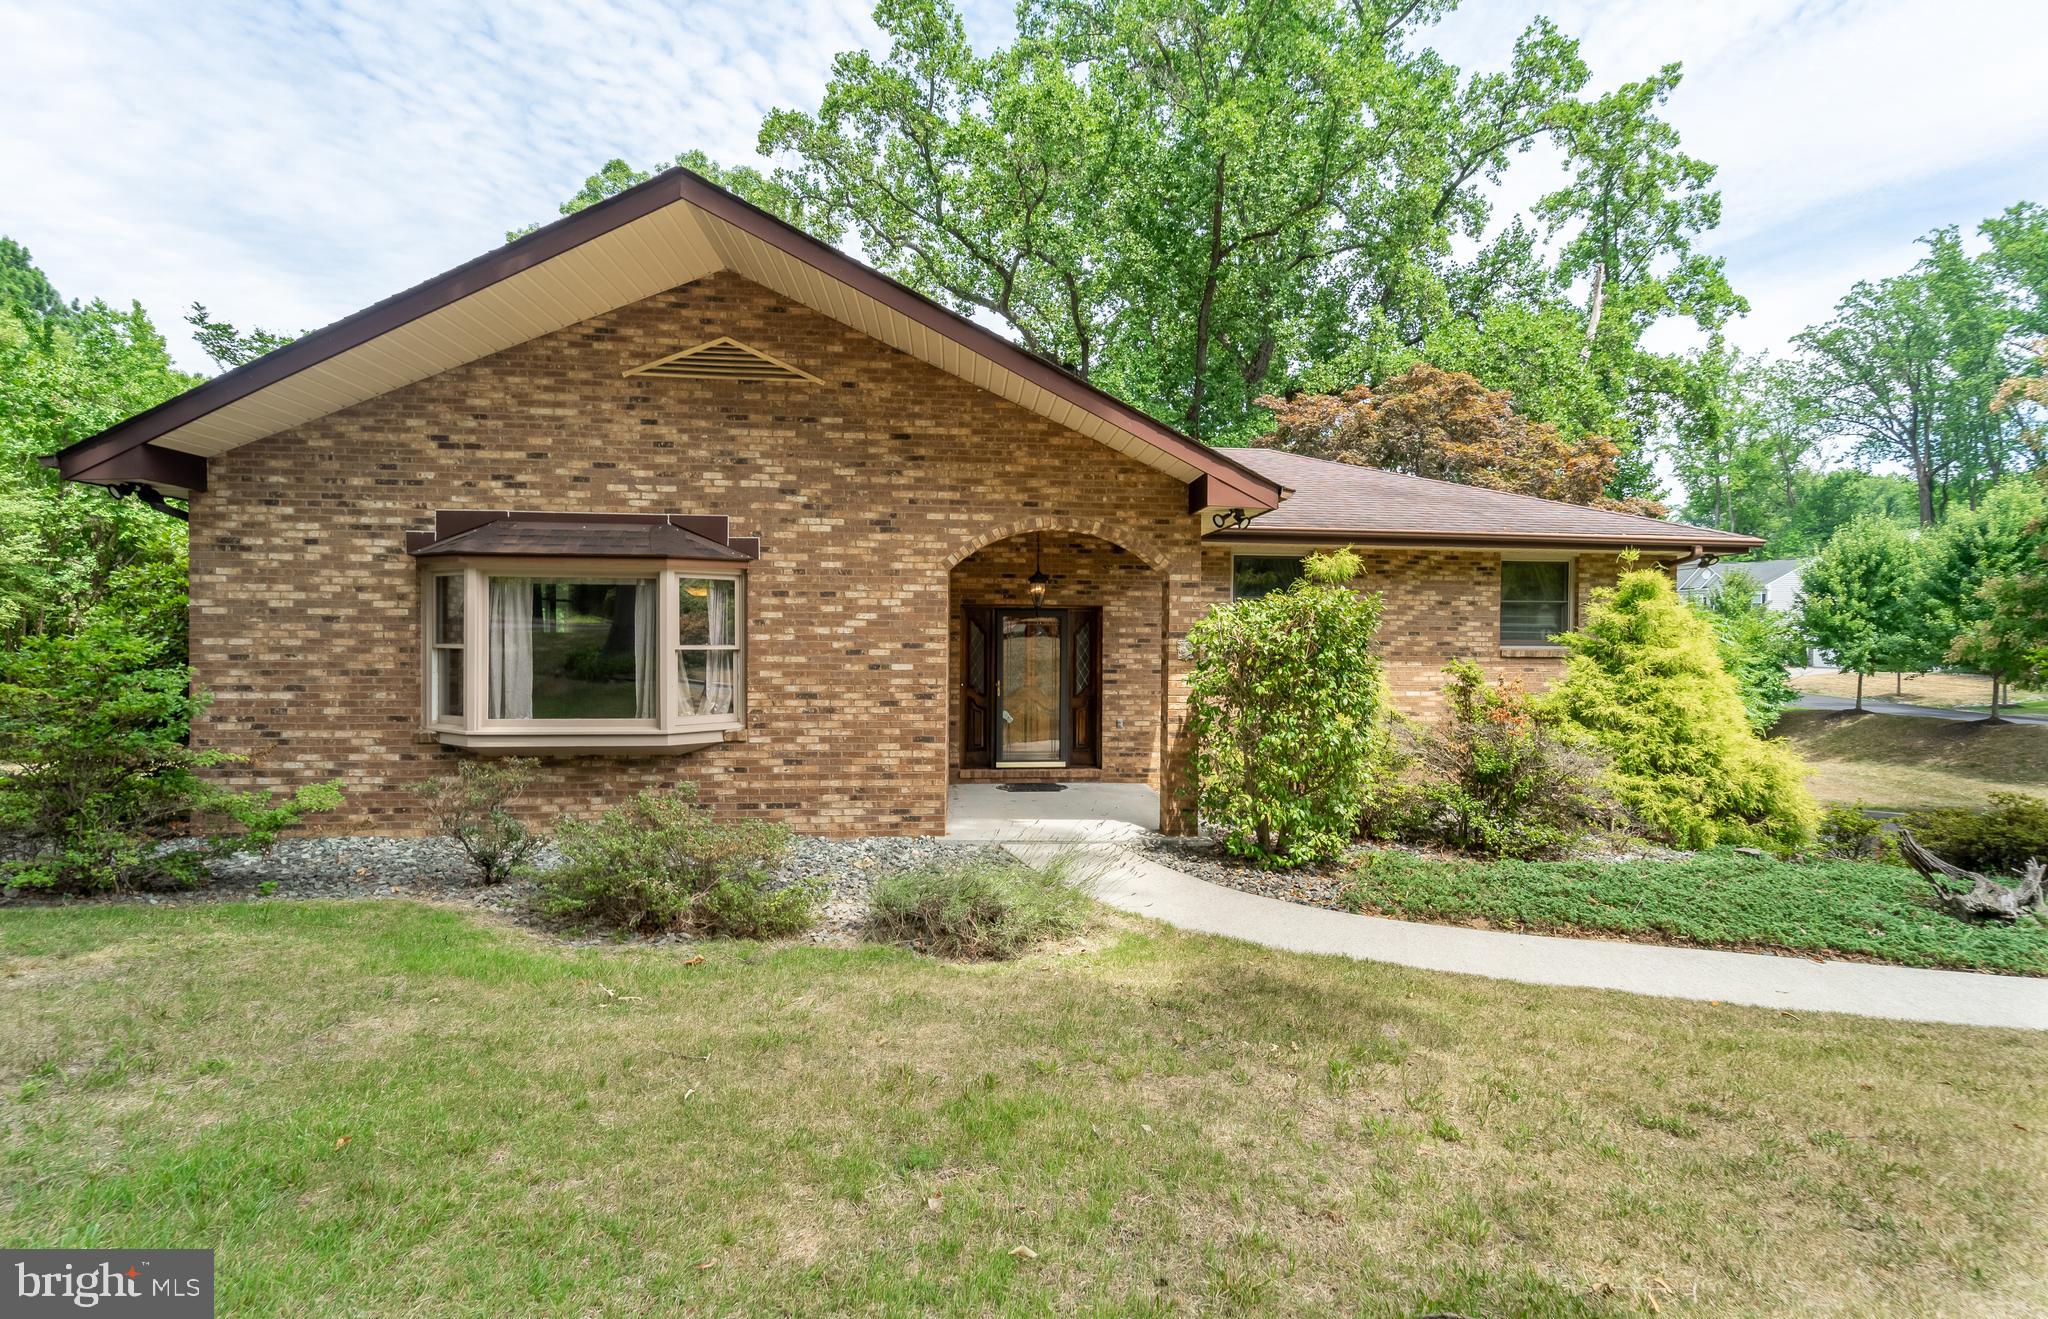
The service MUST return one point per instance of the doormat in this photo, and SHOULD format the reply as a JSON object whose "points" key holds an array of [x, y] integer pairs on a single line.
{"points": [[1033, 787]]}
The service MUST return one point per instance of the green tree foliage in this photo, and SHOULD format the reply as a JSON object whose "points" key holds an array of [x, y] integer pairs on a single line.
{"points": [[67, 372], [1286, 704], [1859, 599], [1908, 368], [1758, 646], [1196, 204], [1645, 682], [98, 778], [1999, 538], [227, 346], [764, 191], [24, 286]]}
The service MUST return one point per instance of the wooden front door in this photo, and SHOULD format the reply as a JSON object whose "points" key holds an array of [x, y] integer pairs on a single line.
{"points": [[1030, 688]]}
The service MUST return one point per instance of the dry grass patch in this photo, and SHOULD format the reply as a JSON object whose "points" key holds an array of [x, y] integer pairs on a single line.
{"points": [[1898, 762], [1941, 691], [404, 1109]]}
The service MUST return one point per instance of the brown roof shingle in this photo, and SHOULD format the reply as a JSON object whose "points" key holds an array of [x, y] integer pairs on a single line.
{"points": [[595, 540], [1342, 502]]}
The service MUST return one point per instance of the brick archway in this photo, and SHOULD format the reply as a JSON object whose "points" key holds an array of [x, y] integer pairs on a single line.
{"points": [[1139, 545]]}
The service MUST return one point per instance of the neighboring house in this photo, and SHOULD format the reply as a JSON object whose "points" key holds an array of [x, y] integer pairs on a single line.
{"points": [[1777, 581], [668, 490]]}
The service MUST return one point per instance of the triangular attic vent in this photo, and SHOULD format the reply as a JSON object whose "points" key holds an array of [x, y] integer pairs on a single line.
{"points": [[722, 359]]}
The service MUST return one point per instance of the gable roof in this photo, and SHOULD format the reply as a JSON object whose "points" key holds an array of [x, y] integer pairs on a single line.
{"points": [[672, 229], [1342, 502]]}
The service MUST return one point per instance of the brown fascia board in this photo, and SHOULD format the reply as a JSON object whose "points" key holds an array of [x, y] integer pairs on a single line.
{"points": [[81, 460], [1718, 543], [145, 464]]}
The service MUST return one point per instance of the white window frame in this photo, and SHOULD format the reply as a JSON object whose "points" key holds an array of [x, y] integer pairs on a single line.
{"points": [[738, 649], [1571, 600], [668, 730]]}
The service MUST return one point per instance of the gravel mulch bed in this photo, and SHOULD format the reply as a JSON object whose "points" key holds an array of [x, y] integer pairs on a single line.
{"points": [[434, 869]]}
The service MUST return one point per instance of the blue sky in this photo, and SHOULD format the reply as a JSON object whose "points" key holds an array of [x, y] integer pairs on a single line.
{"points": [[287, 163]]}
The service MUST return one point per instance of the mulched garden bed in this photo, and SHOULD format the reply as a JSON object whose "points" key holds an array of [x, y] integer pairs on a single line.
{"points": [[434, 870]]}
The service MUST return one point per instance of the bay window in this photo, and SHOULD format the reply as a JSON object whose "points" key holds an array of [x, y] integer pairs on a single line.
{"points": [[575, 655]]}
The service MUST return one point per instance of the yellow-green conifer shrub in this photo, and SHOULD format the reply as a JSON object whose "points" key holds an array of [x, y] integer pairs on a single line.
{"points": [[1645, 681]]}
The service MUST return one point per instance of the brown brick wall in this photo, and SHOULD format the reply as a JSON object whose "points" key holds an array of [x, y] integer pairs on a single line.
{"points": [[1085, 572], [865, 490], [1440, 605]]}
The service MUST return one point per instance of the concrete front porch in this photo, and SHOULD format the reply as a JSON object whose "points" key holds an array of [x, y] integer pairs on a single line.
{"points": [[1077, 813]]}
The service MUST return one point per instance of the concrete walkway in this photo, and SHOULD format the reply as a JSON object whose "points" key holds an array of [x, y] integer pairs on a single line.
{"points": [[1872, 705], [1143, 886]]}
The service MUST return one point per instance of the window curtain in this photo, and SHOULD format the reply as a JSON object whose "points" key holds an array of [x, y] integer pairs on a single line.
{"points": [[646, 650], [511, 648], [718, 664]]}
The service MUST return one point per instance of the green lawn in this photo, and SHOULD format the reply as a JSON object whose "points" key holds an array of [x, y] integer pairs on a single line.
{"points": [[384, 1107], [1719, 898]]}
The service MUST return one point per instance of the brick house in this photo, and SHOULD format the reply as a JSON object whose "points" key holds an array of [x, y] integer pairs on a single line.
{"points": [[669, 490]]}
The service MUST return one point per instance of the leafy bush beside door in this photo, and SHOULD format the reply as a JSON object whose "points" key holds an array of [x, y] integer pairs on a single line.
{"points": [[1286, 703]]}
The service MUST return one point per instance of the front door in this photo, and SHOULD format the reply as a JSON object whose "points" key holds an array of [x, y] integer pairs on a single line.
{"points": [[1030, 695], [1031, 690]]}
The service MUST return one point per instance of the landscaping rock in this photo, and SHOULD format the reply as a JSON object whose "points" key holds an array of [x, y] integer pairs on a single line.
{"points": [[434, 869]]}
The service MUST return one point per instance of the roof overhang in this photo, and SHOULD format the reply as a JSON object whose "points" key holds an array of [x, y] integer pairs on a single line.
{"points": [[675, 228], [1686, 548]]}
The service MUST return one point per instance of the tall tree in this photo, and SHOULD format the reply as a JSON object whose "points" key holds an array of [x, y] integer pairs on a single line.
{"points": [[1195, 202], [1908, 368], [68, 371], [1858, 599], [1998, 539]]}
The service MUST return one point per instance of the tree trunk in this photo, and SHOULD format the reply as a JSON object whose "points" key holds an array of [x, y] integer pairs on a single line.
{"points": [[1993, 717], [1859, 692], [1599, 301], [1899, 682]]}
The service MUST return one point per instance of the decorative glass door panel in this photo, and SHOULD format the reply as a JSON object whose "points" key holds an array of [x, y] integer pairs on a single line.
{"points": [[1029, 693]]}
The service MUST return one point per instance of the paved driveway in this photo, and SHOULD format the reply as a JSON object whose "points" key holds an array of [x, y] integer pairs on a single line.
{"points": [[1872, 706]]}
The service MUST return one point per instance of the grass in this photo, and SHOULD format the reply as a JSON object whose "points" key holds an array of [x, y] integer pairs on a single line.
{"points": [[1899, 763], [384, 1107], [1717, 899]]}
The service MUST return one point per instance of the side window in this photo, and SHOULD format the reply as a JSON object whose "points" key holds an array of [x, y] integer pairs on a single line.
{"points": [[1535, 602], [1253, 575]]}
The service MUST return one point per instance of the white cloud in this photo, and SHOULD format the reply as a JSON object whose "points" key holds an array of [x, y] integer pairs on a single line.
{"points": [[287, 163], [1843, 129]]}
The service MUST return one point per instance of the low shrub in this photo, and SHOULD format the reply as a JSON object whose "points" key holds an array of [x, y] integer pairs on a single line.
{"points": [[664, 862], [984, 906], [100, 791], [469, 806], [1997, 840], [1847, 832], [1720, 898], [1285, 701], [1502, 781], [1644, 680]]}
